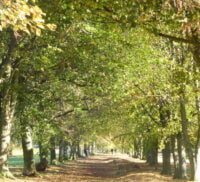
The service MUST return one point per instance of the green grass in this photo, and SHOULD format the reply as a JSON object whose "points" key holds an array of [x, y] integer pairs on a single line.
{"points": [[18, 160]]}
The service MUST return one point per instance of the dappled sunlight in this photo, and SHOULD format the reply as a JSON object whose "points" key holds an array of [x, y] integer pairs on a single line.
{"points": [[107, 167], [88, 86]]}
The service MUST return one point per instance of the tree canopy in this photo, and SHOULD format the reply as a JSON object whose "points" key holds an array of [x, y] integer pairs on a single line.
{"points": [[116, 74]]}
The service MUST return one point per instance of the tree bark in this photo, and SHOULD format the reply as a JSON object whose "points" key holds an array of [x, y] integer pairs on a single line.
{"points": [[175, 157], [8, 77], [66, 149], [197, 172], [61, 150], [141, 152], [85, 150], [27, 146], [196, 57], [6, 120], [197, 152], [166, 154], [186, 138], [182, 174], [136, 149], [52, 150], [93, 148], [42, 165], [73, 151], [179, 158], [152, 151], [78, 150]]}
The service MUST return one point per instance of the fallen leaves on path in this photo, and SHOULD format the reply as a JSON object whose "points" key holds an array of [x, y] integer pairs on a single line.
{"points": [[106, 168]]}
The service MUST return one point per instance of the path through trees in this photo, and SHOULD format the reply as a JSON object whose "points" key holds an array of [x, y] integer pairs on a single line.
{"points": [[107, 168], [80, 75]]}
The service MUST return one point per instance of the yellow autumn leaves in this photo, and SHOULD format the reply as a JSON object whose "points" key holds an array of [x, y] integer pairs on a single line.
{"points": [[22, 17]]}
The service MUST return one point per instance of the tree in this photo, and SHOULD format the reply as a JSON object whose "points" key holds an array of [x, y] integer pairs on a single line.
{"points": [[29, 20]]}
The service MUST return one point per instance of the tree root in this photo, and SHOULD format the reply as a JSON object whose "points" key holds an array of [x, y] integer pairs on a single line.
{"points": [[7, 174]]}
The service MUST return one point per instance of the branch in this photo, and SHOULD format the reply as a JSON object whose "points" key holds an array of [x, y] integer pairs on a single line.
{"points": [[68, 112], [64, 114], [178, 39], [144, 108], [78, 84], [11, 49], [171, 37], [124, 134], [150, 115]]}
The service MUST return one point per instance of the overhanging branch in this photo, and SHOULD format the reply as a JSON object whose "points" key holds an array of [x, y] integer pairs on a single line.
{"points": [[178, 39], [64, 113]]}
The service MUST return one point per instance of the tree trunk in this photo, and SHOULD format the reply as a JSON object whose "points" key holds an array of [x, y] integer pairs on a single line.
{"points": [[144, 149], [73, 152], [85, 150], [27, 146], [175, 157], [42, 165], [179, 158], [6, 117], [197, 171], [93, 148], [197, 151], [182, 174], [61, 150], [43, 154], [186, 138], [136, 149], [166, 164], [140, 150], [78, 150], [7, 109], [164, 120], [66, 148], [142, 156], [152, 152], [53, 150]]}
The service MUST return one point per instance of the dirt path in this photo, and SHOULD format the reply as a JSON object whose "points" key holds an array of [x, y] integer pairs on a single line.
{"points": [[106, 168]]}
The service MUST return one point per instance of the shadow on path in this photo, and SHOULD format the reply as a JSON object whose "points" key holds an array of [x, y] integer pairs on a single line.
{"points": [[105, 168]]}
